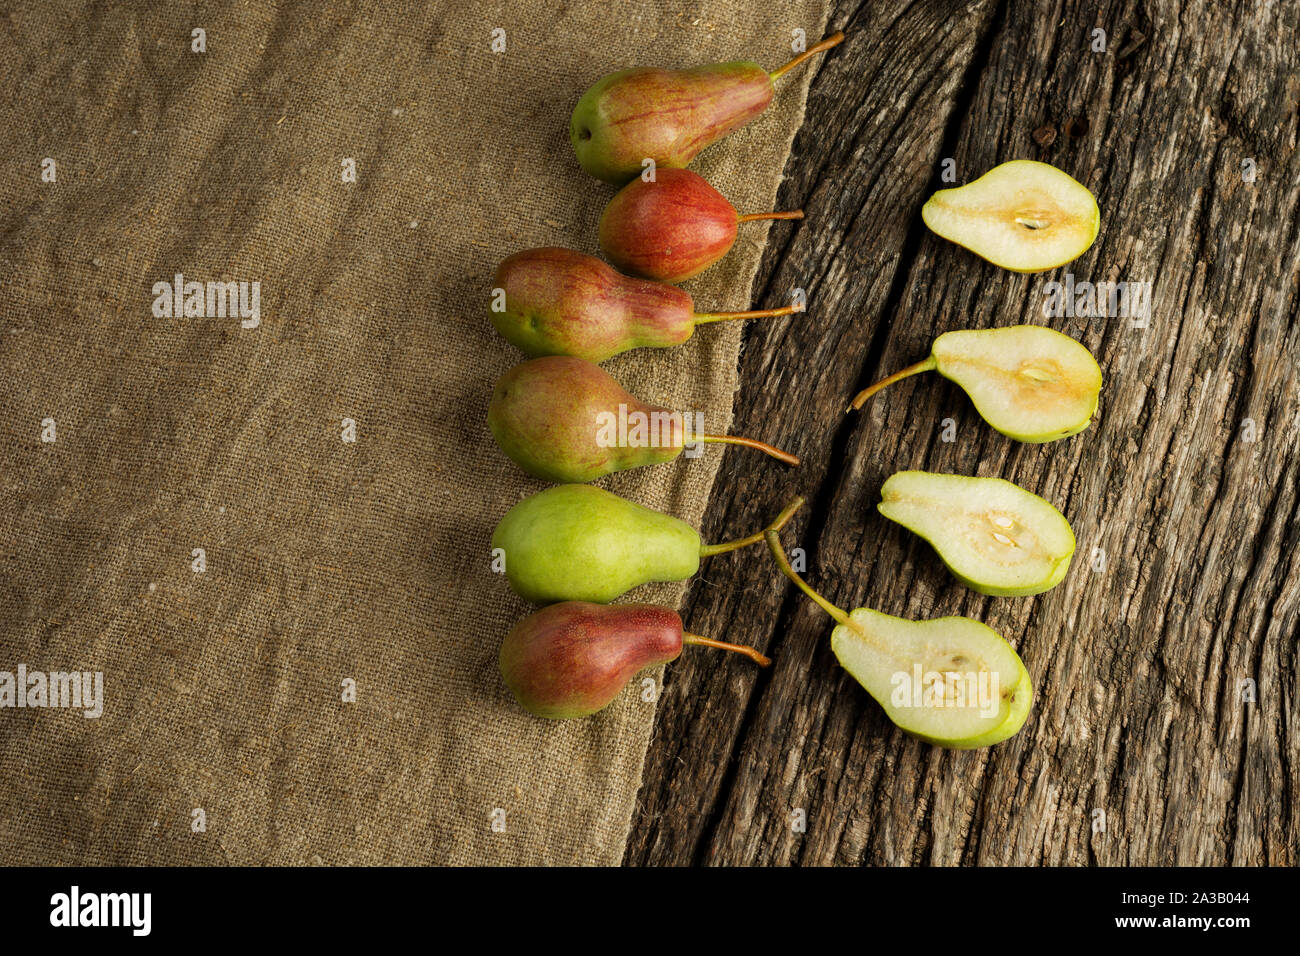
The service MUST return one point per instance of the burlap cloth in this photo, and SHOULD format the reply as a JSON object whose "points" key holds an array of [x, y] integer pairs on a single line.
{"points": [[325, 560]]}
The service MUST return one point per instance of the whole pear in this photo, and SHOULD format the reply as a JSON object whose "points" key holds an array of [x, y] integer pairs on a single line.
{"points": [[581, 543], [571, 659], [664, 115], [565, 419], [668, 115], [673, 227], [560, 302], [557, 419]]}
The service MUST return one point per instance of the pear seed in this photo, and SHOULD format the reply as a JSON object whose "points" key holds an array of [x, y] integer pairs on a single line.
{"points": [[1037, 374]]}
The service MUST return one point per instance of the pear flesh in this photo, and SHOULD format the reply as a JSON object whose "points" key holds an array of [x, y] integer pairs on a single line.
{"points": [[1030, 383], [950, 681], [581, 543], [995, 536], [1024, 216]]}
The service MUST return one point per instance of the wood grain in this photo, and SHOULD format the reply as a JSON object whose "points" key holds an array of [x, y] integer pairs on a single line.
{"points": [[1183, 494]]}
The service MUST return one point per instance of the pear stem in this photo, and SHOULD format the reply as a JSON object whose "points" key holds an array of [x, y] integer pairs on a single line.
{"points": [[755, 216], [835, 39], [764, 447], [780, 522], [860, 399], [702, 317], [782, 562], [750, 652]]}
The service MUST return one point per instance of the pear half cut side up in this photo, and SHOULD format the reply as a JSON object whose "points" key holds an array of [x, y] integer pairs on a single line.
{"points": [[994, 536], [950, 681], [1030, 383], [1024, 216]]}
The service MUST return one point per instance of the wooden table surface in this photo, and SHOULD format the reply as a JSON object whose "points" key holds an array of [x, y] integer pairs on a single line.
{"points": [[1166, 726]]}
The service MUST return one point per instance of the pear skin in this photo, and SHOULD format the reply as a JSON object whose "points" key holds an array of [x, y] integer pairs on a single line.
{"points": [[560, 302], [566, 420], [571, 659], [1024, 216], [669, 229], [668, 116], [579, 543]]}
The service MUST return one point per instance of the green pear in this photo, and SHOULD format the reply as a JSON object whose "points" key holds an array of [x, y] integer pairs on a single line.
{"points": [[1023, 215], [995, 536], [1030, 383], [668, 116], [581, 543], [564, 419], [560, 302], [950, 681]]}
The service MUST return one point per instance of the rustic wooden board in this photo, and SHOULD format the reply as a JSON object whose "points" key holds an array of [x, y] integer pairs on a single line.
{"points": [[1183, 494]]}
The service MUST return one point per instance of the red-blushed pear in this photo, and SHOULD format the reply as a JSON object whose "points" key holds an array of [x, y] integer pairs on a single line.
{"points": [[1024, 216], [950, 681], [564, 419], [668, 116], [561, 302], [672, 228], [571, 659]]}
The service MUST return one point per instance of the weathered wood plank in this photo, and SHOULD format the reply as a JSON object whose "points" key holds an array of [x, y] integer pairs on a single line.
{"points": [[1138, 666]]}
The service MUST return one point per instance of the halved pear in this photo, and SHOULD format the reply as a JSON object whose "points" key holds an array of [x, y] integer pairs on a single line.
{"points": [[951, 681], [1028, 382], [1023, 215], [995, 536]]}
